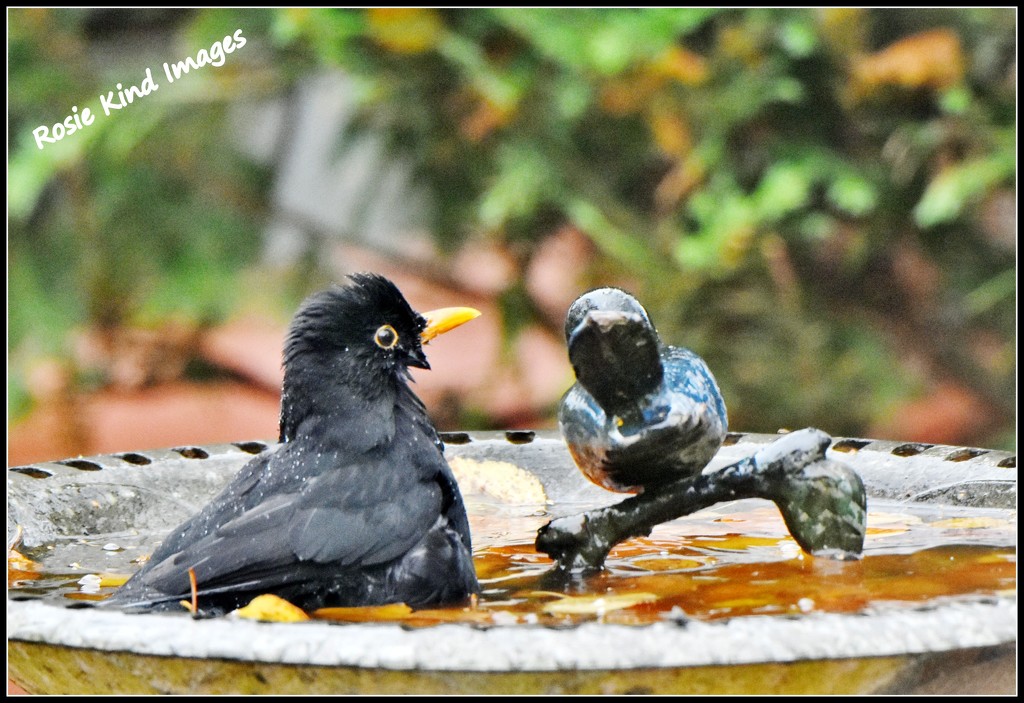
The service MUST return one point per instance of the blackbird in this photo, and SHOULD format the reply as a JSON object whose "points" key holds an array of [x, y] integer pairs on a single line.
{"points": [[357, 505], [641, 413]]}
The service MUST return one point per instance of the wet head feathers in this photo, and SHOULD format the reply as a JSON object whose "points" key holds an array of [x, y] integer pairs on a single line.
{"points": [[347, 318]]}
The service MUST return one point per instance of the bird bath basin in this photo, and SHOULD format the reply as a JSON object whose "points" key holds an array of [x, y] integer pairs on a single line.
{"points": [[718, 602]]}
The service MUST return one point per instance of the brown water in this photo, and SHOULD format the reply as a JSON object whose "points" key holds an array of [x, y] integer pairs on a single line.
{"points": [[709, 567], [732, 560]]}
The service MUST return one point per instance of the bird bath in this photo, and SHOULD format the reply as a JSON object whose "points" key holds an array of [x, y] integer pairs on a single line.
{"points": [[718, 602]]}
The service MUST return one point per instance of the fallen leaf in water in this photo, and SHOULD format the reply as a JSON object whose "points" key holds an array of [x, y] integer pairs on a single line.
{"points": [[271, 608], [666, 564], [970, 523], [15, 574], [593, 605], [743, 603], [735, 542], [113, 580], [882, 531], [892, 519], [400, 612], [440, 615], [368, 613], [19, 566], [18, 562], [78, 595]]}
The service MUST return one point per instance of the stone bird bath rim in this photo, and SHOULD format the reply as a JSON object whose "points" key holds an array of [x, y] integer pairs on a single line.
{"points": [[51, 499]]}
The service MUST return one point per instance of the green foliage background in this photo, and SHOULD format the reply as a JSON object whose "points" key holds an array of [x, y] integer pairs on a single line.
{"points": [[804, 197]]}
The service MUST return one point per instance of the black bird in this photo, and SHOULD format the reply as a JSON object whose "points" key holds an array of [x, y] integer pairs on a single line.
{"points": [[357, 505], [641, 413]]}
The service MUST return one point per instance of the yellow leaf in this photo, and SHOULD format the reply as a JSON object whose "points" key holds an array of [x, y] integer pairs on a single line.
{"points": [[743, 603], [970, 523], [113, 580], [405, 30], [881, 531], [683, 65], [16, 561], [737, 43], [97, 581], [437, 616], [932, 59], [369, 613], [19, 566], [671, 131], [737, 543], [844, 28], [271, 608], [667, 563], [594, 605], [298, 15], [892, 520]]}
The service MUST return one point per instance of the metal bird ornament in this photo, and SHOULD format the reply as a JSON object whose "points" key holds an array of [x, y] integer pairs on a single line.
{"points": [[641, 413], [357, 505], [647, 418]]}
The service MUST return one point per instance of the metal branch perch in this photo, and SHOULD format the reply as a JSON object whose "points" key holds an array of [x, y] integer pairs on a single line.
{"points": [[821, 500]]}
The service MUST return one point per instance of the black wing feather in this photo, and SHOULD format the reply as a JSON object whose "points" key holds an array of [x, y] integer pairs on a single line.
{"points": [[255, 538]]}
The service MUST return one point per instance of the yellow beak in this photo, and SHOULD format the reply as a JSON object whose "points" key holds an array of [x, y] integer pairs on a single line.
{"points": [[444, 319]]}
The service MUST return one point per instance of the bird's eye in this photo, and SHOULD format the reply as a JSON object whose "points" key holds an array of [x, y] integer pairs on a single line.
{"points": [[385, 337]]}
